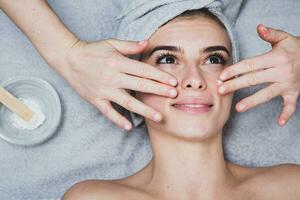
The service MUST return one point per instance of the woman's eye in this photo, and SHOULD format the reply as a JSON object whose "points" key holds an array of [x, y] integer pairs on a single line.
{"points": [[166, 60], [215, 59]]}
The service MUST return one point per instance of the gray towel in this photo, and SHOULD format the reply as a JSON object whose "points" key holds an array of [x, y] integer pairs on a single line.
{"points": [[89, 146]]}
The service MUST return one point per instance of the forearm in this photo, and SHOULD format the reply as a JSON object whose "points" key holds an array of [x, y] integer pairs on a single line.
{"points": [[43, 28]]}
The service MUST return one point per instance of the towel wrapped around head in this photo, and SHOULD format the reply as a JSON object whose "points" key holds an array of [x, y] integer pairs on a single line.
{"points": [[141, 18]]}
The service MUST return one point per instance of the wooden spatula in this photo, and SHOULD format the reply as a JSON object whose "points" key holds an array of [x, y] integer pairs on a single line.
{"points": [[15, 105]]}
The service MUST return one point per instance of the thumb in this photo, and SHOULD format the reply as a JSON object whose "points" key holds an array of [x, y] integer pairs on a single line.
{"points": [[271, 35], [128, 47]]}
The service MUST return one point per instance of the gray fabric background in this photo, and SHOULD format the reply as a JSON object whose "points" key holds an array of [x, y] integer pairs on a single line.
{"points": [[89, 146]]}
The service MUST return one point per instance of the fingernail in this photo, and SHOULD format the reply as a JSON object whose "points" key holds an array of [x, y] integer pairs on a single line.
{"points": [[219, 82], [157, 117], [141, 43], [127, 127], [242, 107], [223, 76], [173, 82], [265, 28], [222, 89], [172, 92], [282, 122]]}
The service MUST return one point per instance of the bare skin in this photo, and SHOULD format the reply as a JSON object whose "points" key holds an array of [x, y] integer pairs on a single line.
{"points": [[188, 161], [266, 183]]}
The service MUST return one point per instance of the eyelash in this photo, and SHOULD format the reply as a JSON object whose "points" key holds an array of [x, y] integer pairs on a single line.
{"points": [[164, 55], [222, 58]]}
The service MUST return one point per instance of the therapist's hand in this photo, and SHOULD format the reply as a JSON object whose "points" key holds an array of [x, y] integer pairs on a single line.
{"points": [[280, 68], [101, 73]]}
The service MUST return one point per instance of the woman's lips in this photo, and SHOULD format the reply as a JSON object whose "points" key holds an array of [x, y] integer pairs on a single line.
{"points": [[193, 108], [193, 105]]}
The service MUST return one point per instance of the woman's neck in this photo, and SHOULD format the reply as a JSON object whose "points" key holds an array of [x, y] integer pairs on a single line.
{"points": [[188, 168]]}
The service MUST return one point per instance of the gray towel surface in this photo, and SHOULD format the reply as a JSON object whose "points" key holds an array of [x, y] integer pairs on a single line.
{"points": [[89, 146]]}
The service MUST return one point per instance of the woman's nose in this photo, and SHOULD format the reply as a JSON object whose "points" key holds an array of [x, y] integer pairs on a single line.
{"points": [[194, 80]]}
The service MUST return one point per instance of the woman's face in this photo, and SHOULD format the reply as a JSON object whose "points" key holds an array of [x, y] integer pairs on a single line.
{"points": [[195, 51]]}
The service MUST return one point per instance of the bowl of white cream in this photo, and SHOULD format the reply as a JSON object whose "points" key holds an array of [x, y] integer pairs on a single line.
{"points": [[43, 100]]}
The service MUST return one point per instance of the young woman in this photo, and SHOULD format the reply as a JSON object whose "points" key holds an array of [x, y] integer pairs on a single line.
{"points": [[188, 160]]}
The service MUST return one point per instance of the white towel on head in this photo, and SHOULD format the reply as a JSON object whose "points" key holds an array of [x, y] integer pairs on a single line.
{"points": [[141, 18]]}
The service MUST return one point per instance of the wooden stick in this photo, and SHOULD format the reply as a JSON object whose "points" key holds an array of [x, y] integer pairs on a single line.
{"points": [[15, 105]]}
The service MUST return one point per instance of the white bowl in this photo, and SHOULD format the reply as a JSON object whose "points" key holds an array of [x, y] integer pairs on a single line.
{"points": [[48, 100]]}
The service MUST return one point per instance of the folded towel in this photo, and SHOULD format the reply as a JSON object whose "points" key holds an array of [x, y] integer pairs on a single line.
{"points": [[141, 18]]}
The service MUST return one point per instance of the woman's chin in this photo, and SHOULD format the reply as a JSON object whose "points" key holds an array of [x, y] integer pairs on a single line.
{"points": [[197, 132], [193, 130]]}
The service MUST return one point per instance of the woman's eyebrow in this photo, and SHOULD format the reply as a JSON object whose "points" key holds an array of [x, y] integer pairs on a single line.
{"points": [[216, 48], [148, 53], [209, 49]]}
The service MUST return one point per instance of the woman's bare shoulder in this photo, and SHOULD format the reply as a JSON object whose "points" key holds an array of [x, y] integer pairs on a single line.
{"points": [[276, 182], [284, 173], [90, 190], [104, 189]]}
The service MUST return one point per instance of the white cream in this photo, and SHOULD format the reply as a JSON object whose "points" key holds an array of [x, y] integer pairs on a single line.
{"points": [[36, 121]]}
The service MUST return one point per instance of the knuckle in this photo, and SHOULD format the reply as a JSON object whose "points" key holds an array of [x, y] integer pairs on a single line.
{"points": [[103, 106], [290, 73], [289, 110], [147, 112], [111, 60], [252, 80], [145, 70], [292, 109], [127, 103], [283, 56], [230, 86], [230, 71], [116, 81], [163, 77], [105, 111], [141, 86], [249, 65], [119, 121], [250, 102], [271, 93], [107, 77]]}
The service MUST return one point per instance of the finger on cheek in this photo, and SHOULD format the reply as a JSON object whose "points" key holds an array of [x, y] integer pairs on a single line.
{"points": [[223, 76], [219, 82], [222, 89]]}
